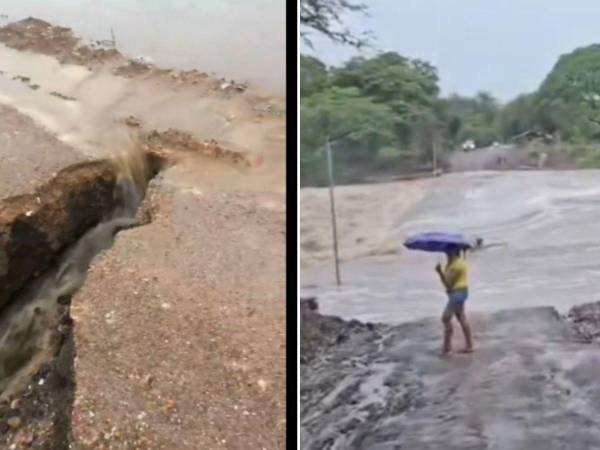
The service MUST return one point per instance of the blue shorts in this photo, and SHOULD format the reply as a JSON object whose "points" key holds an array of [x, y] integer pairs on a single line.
{"points": [[456, 302]]}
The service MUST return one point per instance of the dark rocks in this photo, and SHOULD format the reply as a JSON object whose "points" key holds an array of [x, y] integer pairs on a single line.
{"points": [[64, 300], [585, 321], [133, 68], [62, 96], [318, 332], [132, 121], [309, 304]]}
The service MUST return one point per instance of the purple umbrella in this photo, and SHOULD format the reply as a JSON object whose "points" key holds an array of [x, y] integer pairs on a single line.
{"points": [[437, 242]]}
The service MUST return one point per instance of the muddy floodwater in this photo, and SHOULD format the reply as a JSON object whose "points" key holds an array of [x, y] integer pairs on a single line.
{"points": [[244, 40], [549, 221]]}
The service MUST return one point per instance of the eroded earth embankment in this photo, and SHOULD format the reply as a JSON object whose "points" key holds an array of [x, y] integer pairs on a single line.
{"points": [[48, 240], [161, 336], [532, 383]]}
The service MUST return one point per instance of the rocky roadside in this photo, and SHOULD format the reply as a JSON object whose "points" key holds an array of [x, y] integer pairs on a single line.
{"points": [[369, 386]]}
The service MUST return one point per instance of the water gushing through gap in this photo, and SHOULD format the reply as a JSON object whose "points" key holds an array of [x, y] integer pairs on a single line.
{"points": [[28, 336]]}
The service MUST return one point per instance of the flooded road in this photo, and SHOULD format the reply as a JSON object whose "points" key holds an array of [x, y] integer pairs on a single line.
{"points": [[548, 219]]}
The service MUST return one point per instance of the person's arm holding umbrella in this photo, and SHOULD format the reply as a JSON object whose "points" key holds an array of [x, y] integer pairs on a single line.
{"points": [[454, 277]]}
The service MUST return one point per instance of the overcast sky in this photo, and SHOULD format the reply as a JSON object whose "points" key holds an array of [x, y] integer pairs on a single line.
{"points": [[505, 47]]}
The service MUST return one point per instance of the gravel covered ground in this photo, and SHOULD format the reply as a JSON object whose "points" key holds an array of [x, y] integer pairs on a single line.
{"points": [[186, 318]]}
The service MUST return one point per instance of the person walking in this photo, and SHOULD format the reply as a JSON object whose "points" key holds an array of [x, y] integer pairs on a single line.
{"points": [[454, 277]]}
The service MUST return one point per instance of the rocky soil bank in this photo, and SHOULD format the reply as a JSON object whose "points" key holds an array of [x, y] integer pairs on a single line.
{"points": [[531, 384]]}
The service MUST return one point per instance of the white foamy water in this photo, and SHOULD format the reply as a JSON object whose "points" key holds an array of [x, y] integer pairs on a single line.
{"points": [[549, 221], [243, 40]]}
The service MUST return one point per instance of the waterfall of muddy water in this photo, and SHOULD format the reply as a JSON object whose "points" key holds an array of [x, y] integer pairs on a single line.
{"points": [[28, 336]]}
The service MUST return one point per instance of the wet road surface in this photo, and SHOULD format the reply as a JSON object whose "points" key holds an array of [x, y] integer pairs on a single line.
{"points": [[529, 385]]}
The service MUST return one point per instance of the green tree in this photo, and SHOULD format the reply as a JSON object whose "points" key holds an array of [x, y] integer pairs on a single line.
{"points": [[568, 100], [362, 126], [326, 17], [390, 77], [476, 118], [517, 117], [408, 87], [313, 76]]}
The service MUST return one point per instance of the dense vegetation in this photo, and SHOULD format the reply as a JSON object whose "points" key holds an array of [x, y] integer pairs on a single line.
{"points": [[385, 114]]}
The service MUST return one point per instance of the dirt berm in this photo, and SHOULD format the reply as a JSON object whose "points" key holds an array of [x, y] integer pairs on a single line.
{"points": [[36, 228], [531, 384]]}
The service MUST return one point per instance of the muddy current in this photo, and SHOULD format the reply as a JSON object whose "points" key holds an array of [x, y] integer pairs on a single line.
{"points": [[545, 221], [28, 324]]}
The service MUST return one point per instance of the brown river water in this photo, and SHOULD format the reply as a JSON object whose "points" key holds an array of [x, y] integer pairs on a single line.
{"points": [[548, 221]]}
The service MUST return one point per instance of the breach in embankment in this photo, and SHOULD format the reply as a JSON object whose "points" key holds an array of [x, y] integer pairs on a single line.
{"points": [[176, 317]]}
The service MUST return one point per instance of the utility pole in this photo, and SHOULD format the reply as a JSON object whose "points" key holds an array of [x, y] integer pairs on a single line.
{"points": [[436, 138], [332, 204], [434, 155]]}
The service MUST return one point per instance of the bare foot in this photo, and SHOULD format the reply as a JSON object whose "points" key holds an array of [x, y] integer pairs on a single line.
{"points": [[446, 352], [467, 350]]}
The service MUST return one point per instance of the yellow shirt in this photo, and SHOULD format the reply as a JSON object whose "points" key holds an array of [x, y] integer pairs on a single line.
{"points": [[458, 266]]}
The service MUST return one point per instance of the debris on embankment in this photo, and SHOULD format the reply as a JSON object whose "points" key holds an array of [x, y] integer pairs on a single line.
{"points": [[384, 387], [41, 37]]}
